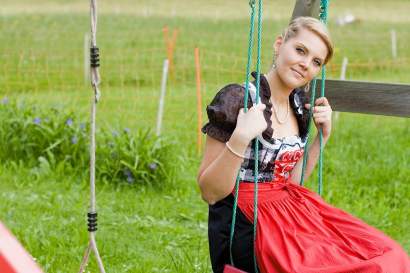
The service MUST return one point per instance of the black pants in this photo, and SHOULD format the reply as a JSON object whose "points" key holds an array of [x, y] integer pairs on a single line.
{"points": [[219, 228]]}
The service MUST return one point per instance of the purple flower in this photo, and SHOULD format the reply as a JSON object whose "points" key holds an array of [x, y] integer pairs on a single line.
{"points": [[115, 133], [69, 122], [37, 120], [128, 174], [82, 125], [126, 130], [74, 140], [130, 179], [5, 100], [153, 166]]}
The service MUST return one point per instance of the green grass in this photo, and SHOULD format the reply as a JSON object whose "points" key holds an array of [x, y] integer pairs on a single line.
{"points": [[145, 230], [140, 230]]}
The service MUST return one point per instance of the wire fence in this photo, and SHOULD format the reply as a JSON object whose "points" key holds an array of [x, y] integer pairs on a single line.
{"points": [[43, 60]]}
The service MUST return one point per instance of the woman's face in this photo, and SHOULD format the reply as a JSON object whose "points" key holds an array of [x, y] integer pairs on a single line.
{"points": [[300, 58]]}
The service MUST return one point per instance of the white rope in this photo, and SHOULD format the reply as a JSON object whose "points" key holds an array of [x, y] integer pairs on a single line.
{"points": [[95, 75], [95, 81]]}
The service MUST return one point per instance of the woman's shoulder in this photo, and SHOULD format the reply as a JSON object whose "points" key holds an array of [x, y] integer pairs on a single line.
{"points": [[223, 111], [226, 104], [230, 93]]}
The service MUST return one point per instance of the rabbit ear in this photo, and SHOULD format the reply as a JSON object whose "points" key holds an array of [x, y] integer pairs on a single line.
{"points": [[216, 114]]}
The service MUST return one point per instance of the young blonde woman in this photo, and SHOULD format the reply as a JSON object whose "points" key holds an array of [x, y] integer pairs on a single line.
{"points": [[297, 231]]}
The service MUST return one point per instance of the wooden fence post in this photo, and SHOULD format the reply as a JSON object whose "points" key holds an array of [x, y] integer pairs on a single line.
{"points": [[198, 99]]}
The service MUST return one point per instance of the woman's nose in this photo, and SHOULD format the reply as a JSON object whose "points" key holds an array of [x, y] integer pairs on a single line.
{"points": [[303, 64]]}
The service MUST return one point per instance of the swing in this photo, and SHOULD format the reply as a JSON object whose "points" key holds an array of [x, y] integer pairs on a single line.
{"points": [[13, 257], [230, 268]]}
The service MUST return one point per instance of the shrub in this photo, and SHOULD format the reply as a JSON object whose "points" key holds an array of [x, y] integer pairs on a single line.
{"points": [[59, 139], [135, 158], [28, 133]]}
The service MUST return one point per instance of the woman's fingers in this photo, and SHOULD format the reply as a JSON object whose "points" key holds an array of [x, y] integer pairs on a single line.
{"points": [[261, 106], [322, 101], [256, 107], [321, 114], [320, 109], [252, 122], [321, 119]]}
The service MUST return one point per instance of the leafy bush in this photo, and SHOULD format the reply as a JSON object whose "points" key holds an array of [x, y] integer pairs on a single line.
{"points": [[28, 133], [135, 158], [57, 138]]}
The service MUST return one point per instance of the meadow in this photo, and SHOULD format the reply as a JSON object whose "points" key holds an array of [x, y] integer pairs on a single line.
{"points": [[145, 228]]}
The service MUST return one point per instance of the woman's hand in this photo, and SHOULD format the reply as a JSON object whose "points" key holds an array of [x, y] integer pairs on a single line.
{"points": [[322, 116], [250, 124]]}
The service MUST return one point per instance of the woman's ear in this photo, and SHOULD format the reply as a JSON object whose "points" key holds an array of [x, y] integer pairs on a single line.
{"points": [[277, 44]]}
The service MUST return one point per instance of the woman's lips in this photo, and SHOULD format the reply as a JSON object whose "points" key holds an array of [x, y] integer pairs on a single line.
{"points": [[298, 73]]}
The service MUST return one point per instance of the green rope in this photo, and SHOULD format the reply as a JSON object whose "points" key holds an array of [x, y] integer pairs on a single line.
{"points": [[235, 205], [323, 18], [322, 94], [250, 46], [324, 4], [248, 65], [256, 171], [305, 155]]}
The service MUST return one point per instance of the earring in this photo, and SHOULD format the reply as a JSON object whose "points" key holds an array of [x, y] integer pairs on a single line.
{"points": [[307, 87], [275, 55]]}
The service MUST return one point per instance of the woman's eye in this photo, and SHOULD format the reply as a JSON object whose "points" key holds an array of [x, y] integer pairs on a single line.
{"points": [[300, 50], [318, 63]]}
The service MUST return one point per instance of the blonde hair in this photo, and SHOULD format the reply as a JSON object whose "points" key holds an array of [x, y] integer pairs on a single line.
{"points": [[313, 25]]}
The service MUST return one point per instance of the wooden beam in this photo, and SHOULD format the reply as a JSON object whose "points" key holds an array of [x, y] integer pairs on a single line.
{"points": [[306, 8], [359, 97], [368, 97]]}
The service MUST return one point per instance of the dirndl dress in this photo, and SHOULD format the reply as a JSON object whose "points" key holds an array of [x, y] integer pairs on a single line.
{"points": [[297, 231]]}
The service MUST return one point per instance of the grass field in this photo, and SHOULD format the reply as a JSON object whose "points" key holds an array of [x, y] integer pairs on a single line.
{"points": [[367, 166]]}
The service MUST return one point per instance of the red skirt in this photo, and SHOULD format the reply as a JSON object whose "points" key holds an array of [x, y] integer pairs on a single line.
{"points": [[297, 231]]}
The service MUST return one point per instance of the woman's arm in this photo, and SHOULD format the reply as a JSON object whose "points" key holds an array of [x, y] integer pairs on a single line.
{"points": [[219, 166]]}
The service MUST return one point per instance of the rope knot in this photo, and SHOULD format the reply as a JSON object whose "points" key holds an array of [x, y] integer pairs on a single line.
{"points": [[94, 56], [92, 221]]}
